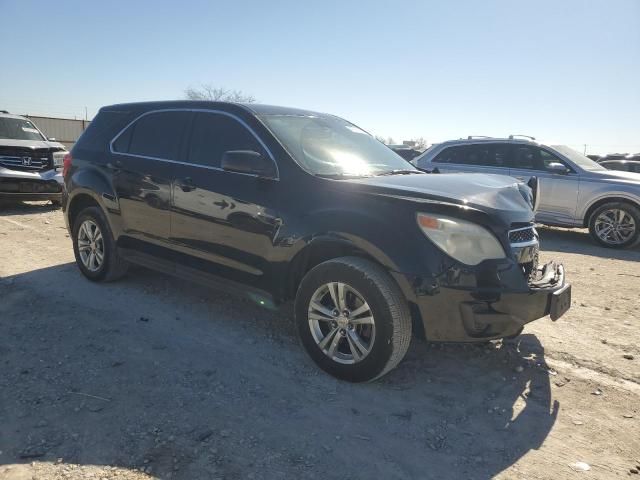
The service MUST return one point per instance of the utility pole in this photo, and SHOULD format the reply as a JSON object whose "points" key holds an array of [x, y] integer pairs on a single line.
{"points": [[85, 114], [585, 149]]}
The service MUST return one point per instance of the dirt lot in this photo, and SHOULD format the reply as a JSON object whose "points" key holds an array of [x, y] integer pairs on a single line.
{"points": [[156, 377]]}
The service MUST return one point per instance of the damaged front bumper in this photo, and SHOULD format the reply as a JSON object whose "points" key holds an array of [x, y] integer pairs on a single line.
{"points": [[21, 185], [490, 301]]}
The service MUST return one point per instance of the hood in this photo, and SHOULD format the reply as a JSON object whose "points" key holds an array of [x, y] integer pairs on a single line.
{"points": [[490, 193], [616, 176], [8, 142]]}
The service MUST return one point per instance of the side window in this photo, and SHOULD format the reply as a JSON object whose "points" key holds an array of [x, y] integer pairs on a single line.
{"points": [[155, 135], [533, 158], [474, 155], [213, 134], [121, 145], [546, 158], [498, 155], [448, 155], [526, 157]]}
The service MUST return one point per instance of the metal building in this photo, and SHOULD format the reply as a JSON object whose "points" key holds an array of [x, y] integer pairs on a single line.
{"points": [[64, 130]]}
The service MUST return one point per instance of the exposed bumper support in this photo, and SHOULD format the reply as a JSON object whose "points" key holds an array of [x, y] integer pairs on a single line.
{"points": [[499, 304]]}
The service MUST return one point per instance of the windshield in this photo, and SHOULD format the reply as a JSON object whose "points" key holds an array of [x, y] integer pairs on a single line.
{"points": [[18, 129], [578, 158], [331, 146]]}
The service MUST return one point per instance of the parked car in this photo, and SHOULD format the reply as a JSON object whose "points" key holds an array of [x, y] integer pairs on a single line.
{"points": [[622, 165], [405, 151], [575, 191], [30, 163], [286, 204]]}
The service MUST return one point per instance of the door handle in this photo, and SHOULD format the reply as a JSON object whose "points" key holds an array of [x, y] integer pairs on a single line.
{"points": [[520, 178], [186, 184]]}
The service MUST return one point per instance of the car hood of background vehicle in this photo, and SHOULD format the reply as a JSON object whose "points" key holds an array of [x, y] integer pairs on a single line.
{"points": [[481, 191], [8, 142], [616, 176]]}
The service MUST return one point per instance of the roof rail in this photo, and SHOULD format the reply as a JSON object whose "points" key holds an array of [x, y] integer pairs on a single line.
{"points": [[511, 137], [471, 137]]}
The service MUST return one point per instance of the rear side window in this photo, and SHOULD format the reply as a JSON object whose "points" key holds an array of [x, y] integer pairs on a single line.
{"points": [[213, 134], [487, 155], [155, 135]]}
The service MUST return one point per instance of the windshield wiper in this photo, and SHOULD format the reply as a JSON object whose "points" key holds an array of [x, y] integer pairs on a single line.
{"points": [[340, 176], [398, 172]]}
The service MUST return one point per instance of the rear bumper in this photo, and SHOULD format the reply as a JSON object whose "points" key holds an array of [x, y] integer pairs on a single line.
{"points": [[493, 301], [20, 185]]}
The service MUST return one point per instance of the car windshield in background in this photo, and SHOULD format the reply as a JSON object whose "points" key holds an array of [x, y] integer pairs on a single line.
{"points": [[331, 146], [18, 129], [578, 158]]}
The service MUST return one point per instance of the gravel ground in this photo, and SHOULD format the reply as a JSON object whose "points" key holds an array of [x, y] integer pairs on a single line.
{"points": [[153, 377]]}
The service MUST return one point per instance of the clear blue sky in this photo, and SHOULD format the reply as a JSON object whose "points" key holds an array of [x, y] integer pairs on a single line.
{"points": [[563, 70]]}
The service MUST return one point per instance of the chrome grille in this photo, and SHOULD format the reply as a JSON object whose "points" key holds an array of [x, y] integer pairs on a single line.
{"points": [[25, 162], [523, 235]]}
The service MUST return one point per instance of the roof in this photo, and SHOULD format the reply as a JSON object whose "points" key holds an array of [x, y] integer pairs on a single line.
{"points": [[10, 115], [489, 140], [258, 109]]}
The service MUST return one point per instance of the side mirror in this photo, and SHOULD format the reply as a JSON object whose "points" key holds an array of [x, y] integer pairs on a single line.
{"points": [[557, 167], [248, 162]]}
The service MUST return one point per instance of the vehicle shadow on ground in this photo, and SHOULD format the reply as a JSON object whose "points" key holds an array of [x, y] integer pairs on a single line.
{"points": [[579, 241], [157, 373]]}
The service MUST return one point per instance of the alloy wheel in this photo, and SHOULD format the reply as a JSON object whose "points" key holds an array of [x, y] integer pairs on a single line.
{"points": [[341, 323], [90, 245], [615, 226]]}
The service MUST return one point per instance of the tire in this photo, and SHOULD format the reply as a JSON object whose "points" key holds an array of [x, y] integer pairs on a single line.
{"points": [[610, 212], [112, 266], [368, 288]]}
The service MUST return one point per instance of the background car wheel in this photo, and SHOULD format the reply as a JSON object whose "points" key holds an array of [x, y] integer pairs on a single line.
{"points": [[352, 318], [94, 247], [56, 203], [615, 225]]}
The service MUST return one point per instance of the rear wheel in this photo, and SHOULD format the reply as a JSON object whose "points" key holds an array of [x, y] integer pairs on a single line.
{"points": [[353, 319], [94, 247], [615, 225]]}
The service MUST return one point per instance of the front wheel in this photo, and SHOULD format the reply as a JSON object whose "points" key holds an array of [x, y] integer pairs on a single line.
{"points": [[352, 319], [615, 225]]}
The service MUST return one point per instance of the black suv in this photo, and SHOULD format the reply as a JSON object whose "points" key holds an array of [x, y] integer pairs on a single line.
{"points": [[290, 204], [30, 163]]}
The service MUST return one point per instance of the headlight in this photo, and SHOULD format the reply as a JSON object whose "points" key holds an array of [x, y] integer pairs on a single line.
{"points": [[58, 158], [467, 242]]}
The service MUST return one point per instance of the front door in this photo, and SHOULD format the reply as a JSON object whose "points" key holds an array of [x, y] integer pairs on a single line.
{"points": [[558, 191], [229, 219]]}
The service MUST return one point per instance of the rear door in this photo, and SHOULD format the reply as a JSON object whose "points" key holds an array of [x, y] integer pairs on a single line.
{"points": [[144, 158], [224, 217], [558, 192]]}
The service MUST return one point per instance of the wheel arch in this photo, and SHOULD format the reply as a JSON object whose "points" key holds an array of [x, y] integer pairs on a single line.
{"points": [[81, 199], [326, 247], [598, 203]]}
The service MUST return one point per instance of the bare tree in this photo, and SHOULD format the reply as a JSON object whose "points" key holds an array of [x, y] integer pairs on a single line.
{"points": [[420, 143], [219, 94]]}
